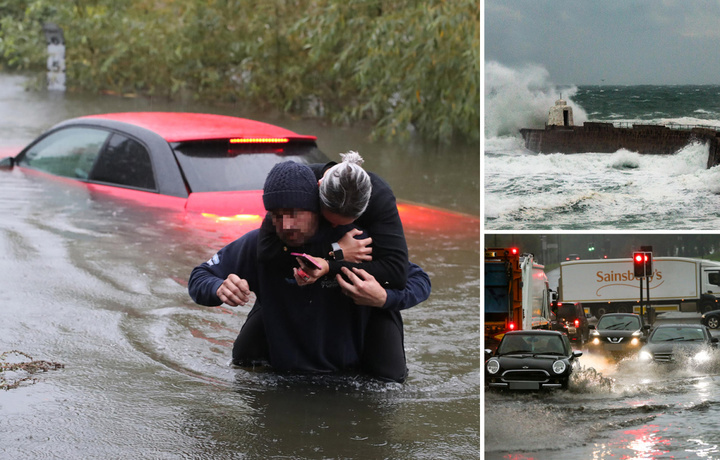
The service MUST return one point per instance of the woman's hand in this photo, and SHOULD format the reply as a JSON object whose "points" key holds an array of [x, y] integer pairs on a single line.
{"points": [[354, 250], [362, 287]]}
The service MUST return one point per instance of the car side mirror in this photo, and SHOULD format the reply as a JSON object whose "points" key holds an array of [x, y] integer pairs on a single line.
{"points": [[7, 163], [714, 340], [591, 326], [577, 353], [488, 353]]}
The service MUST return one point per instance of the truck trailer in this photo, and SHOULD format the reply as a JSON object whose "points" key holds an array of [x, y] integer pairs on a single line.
{"points": [[517, 294], [609, 285]]}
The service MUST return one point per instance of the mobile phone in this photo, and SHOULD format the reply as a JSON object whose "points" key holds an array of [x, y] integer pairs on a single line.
{"points": [[307, 259]]}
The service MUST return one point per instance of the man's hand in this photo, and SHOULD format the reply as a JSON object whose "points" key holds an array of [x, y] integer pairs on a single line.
{"points": [[308, 275], [363, 288], [234, 291], [354, 250]]}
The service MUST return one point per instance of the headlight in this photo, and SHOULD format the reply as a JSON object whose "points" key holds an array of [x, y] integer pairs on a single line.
{"points": [[559, 367], [645, 357], [701, 357], [634, 341], [493, 366], [637, 334], [596, 341], [594, 333]]}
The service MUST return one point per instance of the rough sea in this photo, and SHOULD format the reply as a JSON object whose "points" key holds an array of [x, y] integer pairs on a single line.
{"points": [[615, 191]]}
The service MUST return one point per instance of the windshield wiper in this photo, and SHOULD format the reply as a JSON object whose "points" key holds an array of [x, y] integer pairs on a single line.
{"points": [[618, 326]]}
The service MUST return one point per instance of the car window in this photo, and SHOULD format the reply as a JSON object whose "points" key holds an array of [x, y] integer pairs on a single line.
{"points": [[70, 152], [619, 323], [218, 166], [125, 162], [677, 334], [567, 311], [532, 344]]}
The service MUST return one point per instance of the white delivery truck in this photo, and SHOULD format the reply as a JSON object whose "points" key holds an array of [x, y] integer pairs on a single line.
{"points": [[609, 285]]}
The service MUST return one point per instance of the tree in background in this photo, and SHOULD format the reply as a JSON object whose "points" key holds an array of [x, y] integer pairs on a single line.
{"points": [[402, 65]]}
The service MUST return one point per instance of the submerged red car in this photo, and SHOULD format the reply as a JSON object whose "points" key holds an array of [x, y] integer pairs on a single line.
{"points": [[213, 165], [202, 162]]}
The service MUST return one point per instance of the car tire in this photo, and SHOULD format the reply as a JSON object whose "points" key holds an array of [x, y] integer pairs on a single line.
{"points": [[713, 321]]}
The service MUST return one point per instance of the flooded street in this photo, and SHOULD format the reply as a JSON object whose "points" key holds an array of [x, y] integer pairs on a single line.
{"points": [[99, 285]]}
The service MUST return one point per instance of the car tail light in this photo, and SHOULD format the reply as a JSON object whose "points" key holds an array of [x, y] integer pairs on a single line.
{"points": [[514, 251], [511, 326], [260, 140], [577, 323]]}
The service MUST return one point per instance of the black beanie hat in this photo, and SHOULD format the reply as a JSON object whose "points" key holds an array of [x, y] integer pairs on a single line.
{"points": [[291, 185]]}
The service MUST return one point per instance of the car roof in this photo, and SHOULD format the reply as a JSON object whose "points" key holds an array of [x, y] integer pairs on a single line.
{"points": [[621, 314], [185, 126], [534, 332], [696, 326]]}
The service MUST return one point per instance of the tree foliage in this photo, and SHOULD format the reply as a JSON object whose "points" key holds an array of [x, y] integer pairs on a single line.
{"points": [[403, 65]]}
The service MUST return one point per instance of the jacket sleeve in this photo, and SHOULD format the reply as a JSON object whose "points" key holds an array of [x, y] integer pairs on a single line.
{"points": [[238, 257], [416, 291], [381, 221]]}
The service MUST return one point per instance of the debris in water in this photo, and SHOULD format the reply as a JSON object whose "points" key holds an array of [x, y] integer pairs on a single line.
{"points": [[12, 374]]}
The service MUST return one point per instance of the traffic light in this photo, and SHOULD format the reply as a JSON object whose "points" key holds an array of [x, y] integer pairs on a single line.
{"points": [[639, 264], [642, 264]]}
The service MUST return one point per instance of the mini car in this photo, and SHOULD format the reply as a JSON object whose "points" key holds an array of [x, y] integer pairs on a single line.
{"points": [[200, 162], [618, 334], [531, 360], [679, 344], [711, 319], [571, 319]]}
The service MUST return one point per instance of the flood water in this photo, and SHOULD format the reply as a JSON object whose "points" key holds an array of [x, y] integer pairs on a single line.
{"points": [[610, 410], [99, 285]]}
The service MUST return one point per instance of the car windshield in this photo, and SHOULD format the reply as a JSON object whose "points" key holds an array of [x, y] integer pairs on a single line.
{"points": [[547, 344], [219, 166], [619, 323], [679, 334]]}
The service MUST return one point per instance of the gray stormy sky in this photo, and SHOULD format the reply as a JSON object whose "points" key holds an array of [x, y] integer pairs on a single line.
{"points": [[607, 42]]}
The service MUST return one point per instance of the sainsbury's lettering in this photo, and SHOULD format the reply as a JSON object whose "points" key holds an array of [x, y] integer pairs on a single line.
{"points": [[628, 275]]}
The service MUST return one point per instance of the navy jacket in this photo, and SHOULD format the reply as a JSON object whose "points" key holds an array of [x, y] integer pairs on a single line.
{"points": [[311, 328]]}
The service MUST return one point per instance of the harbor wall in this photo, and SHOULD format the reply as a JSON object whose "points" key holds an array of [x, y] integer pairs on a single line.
{"points": [[604, 137]]}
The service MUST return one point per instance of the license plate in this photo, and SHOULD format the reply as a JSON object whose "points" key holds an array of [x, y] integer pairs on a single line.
{"points": [[571, 329], [614, 346], [524, 386]]}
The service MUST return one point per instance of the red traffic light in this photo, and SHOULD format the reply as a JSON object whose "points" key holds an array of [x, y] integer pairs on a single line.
{"points": [[642, 264]]}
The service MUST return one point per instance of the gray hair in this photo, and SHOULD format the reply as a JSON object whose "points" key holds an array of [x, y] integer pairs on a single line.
{"points": [[346, 187]]}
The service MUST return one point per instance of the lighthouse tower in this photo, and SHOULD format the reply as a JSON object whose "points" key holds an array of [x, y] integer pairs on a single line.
{"points": [[560, 114]]}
